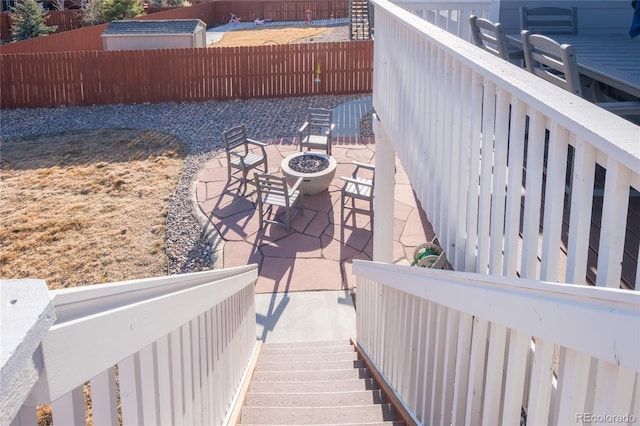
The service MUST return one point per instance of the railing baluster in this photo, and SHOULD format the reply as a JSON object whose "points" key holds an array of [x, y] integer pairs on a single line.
{"points": [[437, 393], [499, 188], [462, 129], [519, 344], [614, 221], [474, 172], [463, 359], [584, 168], [187, 372], [533, 194], [177, 378], [69, 409], [148, 385], [163, 380], [514, 188], [130, 402], [104, 407], [477, 365], [495, 369], [554, 203], [541, 382], [573, 381], [449, 367], [486, 172]]}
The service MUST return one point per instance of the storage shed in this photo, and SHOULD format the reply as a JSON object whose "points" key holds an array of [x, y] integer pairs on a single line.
{"points": [[165, 34]]}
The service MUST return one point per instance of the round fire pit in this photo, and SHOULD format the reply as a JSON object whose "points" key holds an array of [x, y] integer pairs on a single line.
{"points": [[316, 170]]}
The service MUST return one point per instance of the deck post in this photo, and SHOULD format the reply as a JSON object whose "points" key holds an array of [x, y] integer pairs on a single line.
{"points": [[383, 195]]}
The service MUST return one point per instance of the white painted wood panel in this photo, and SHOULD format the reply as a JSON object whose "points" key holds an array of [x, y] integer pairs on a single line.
{"points": [[477, 362], [417, 48]]}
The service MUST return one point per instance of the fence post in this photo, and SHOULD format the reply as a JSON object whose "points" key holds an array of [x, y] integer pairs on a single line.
{"points": [[26, 313]]}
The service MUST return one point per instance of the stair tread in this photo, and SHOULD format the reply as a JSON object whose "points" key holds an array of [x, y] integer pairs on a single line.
{"points": [[388, 423], [314, 357], [306, 350], [321, 375], [317, 399], [309, 366], [311, 344], [313, 386], [318, 415]]}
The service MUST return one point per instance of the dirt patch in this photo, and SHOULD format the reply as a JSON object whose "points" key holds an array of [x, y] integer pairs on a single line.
{"points": [[87, 207], [281, 35]]}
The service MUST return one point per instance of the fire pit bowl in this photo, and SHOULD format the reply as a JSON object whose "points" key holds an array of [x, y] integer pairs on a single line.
{"points": [[316, 170]]}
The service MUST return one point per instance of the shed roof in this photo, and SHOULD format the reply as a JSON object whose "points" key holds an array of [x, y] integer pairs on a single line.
{"points": [[172, 26]]}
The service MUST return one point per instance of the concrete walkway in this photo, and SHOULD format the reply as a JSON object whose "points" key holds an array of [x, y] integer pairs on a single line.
{"points": [[305, 316], [347, 117]]}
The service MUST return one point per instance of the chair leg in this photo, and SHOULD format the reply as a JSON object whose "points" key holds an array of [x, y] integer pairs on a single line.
{"points": [[260, 212], [287, 217]]}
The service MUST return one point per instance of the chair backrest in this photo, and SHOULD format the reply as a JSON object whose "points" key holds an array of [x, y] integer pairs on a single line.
{"points": [[489, 36], [320, 120], [551, 61], [549, 20], [274, 186], [234, 137]]}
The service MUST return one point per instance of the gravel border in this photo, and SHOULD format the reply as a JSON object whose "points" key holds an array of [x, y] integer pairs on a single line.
{"points": [[199, 125]]}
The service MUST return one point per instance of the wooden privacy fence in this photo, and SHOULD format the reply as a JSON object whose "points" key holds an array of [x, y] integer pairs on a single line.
{"points": [[181, 75], [212, 13]]}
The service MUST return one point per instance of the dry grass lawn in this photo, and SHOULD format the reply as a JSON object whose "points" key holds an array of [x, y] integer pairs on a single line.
{"points": [[269, 35], [87, 207], [90, 207]]}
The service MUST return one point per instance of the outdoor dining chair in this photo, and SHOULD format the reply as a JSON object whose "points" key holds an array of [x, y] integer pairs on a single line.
{"points": [[489, 36], [243, 154], [549, 20], [316, 130], [358, 187], [273, 191], [551, 61], [557, 63]]}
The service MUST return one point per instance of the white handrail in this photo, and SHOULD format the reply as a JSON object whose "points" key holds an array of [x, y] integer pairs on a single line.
{"points": [[463, 122], [459, 348], [176, 346]]}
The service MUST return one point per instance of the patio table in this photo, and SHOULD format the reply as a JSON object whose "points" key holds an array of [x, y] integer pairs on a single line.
{"points": [[613, 59]]}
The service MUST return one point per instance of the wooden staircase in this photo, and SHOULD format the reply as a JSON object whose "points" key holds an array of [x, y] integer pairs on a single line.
{"points": [[359, 22], [315, 383]]}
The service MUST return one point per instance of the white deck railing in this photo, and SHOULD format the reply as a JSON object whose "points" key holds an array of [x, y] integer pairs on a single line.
{"points": [[452, 16], [462, 348], [457, 118], [169, 350]]}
